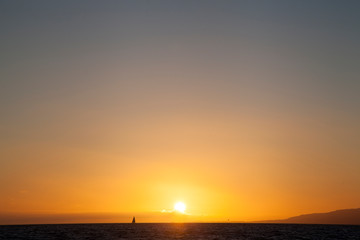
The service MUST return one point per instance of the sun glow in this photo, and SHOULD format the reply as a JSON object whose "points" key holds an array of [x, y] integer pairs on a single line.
{"points": [[180, 207]]}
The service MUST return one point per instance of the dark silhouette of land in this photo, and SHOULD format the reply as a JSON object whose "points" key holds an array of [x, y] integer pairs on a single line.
{"points": [[345, 216]]}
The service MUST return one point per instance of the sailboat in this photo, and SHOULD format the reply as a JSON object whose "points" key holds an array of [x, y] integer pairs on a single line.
{"points": [[133, 221]]}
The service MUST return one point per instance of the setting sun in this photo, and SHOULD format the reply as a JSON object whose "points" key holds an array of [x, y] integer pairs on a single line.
{"points": [[180, 207]]}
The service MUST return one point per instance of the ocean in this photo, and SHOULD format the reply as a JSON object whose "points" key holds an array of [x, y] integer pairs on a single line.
{"points": [[179, 231]]}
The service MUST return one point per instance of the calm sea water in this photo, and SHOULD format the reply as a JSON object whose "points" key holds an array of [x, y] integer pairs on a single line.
{"points": [[179, 231]]}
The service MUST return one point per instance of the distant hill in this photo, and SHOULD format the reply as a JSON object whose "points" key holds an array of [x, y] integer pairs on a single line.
{"points": [[345, 216]]}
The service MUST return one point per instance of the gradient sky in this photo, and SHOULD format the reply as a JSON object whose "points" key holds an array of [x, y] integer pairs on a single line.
{"points": [[243, 110]]}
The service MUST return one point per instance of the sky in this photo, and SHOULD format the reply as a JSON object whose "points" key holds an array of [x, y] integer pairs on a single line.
{"points": [[242, 110]]}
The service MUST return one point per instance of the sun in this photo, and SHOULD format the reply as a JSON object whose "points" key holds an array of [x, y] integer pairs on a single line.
{"points": [[180, 207]]}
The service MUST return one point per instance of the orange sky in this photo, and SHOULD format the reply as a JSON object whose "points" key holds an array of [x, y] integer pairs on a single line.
{"points": [[222, 168], [241, 111]]}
